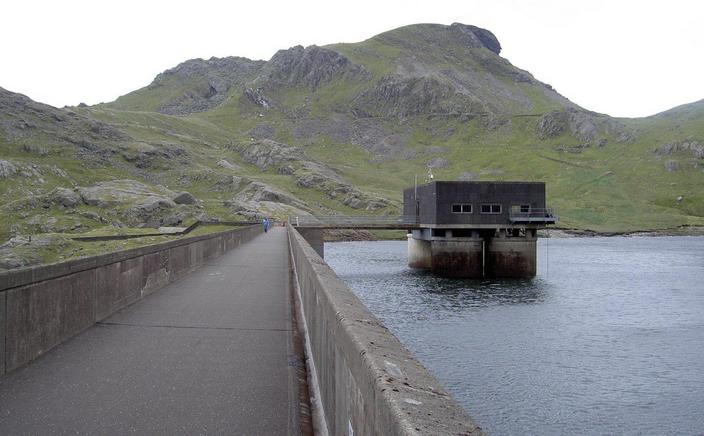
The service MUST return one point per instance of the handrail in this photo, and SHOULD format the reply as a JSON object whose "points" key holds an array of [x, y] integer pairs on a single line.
{"points": [[533, 215], [185, 231], [354, 220]]}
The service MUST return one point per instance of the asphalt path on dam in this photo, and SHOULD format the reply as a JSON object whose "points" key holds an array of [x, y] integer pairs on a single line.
{"points": [[209, 354]]}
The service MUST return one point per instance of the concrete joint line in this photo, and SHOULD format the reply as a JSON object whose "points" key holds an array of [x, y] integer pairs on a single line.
{"points": [[318, 411]]}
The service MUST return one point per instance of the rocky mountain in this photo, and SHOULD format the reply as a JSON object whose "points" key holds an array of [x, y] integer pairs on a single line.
{"points": [[340, 129]]}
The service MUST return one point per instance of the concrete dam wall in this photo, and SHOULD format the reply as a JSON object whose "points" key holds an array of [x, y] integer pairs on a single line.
{"points": [[365, 380], [41, 307]]}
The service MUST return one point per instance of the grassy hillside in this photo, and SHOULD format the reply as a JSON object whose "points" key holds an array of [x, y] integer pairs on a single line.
{"points": [[342, 129]]}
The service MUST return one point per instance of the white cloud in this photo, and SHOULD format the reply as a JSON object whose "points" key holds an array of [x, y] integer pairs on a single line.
{"points": [[625, 58]]}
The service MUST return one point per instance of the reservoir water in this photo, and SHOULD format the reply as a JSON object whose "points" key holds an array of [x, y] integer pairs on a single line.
{"points": [[607, 339]]}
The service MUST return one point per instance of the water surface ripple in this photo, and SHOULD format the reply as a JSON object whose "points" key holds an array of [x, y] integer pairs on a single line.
{"points": [[607, 339]]}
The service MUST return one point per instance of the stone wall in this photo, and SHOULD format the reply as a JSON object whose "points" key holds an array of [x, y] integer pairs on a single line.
{"points": [[42, 306], [366, 380]]}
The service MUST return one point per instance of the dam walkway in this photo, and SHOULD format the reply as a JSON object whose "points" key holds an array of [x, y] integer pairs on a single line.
{"points": [[212, 353]]}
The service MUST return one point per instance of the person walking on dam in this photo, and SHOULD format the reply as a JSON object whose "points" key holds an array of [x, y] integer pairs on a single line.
{"points": [[265, 223]]}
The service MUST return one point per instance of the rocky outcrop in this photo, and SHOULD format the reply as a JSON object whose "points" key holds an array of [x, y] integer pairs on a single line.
{"points": [[476, 37], [22, 120], [138, 204], [438, 162], [403, 97], [440, 35], [184, 198], [207, 82], [224, 163], [337, 190], [672, 166], [310, 175], [311, 67], [692, 147], [148, 210], [65, 198], [259, 199], [587, 127], [267, 153], [153, 156], [262, 131], [257, 96], [118, 192], [23, 251], [7, 169]]}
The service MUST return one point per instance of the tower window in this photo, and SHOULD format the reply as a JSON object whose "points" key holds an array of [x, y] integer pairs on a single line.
{"points": [[462, 208], [491, 208]]}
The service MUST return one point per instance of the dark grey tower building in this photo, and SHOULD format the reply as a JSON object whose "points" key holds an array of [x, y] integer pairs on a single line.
{"points": [[476, 229]]}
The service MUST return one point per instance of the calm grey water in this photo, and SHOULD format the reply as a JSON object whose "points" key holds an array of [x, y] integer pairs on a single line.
{"points": [[607, 339]]}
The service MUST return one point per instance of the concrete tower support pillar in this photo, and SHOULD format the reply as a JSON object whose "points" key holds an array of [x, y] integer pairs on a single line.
{"points": [[511, 257], [419, 254], [457, 258], [315, 237]]}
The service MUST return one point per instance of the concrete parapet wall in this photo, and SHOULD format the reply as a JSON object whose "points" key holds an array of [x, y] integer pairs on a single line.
{"points": [[369, 383], [315, 238], [42, 306]]}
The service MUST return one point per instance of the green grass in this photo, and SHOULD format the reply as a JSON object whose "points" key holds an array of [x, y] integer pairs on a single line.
{"points": [[616, 188]]}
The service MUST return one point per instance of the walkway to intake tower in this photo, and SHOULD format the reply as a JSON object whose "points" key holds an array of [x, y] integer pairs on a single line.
{"points": [[213, 353]]}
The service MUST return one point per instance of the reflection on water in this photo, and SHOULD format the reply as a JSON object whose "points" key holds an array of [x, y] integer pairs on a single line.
{"points": [[481, 293], [609, 342]]}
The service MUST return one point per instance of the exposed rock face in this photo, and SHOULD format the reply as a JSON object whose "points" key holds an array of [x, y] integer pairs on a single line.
{"points": [[672, 166], [184, 198], [224, 163], [209, 80], [440, 35], [369, 133], [157, 155], [311, 66], [146, 210], [257, 96], [258, 199], [266, 153], [23, 119], [476, 36], [588, 127], [693, 147], [335, 189], [7, 169], [438, 162], [403, 97], [117, 192], [262, 131], [65, 198], [23, 251], [138, 204], [42, 223]]}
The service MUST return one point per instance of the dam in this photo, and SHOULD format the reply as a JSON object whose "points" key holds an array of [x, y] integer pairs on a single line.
{"points": [[245, 332], [236, 332]]}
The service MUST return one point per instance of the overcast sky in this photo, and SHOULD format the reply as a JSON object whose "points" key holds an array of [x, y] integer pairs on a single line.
{"points": [[624, 58]]}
